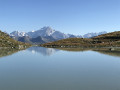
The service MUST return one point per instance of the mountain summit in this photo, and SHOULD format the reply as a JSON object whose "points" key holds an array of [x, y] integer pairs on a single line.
{"points": [[47, 34], [45, 31]]}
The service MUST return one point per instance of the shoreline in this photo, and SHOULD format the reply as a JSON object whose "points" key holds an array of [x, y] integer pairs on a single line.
{"points": [[111, 48]]}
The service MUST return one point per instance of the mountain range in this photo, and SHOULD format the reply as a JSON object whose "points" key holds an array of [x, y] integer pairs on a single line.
{"points": [[47, 34]]}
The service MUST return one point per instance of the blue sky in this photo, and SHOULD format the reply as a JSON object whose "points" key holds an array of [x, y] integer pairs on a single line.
{"points": [[68, 16]]}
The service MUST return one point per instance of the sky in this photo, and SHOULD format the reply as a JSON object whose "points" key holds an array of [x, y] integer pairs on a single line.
{"points": [[68, 16]]}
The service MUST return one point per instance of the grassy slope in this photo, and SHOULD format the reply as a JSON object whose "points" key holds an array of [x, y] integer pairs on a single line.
{"points": [[110, 39], [105, 40], [6, 41]]}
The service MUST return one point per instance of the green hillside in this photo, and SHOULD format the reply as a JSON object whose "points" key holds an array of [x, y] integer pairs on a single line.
{"points": [[105, 40], [6, 41]]}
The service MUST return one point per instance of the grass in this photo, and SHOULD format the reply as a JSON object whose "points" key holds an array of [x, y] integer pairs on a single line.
{"points": [[105, 40], [7, 41]]}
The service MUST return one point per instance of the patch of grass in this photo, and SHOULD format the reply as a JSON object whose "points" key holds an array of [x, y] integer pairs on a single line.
{"points": [[105, 40], [7, 41]]}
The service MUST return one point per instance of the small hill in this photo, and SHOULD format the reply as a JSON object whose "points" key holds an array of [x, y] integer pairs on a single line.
{"points": [[105, 40], [109, 39], [113, 36], [70, 42], [7, 41]]}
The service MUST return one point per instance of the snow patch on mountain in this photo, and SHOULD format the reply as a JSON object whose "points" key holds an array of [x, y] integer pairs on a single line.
{"points": [[49, 32]]}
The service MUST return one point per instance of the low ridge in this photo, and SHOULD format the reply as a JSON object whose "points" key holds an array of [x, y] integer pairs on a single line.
{"points": [[106, 40], [7, 41]]}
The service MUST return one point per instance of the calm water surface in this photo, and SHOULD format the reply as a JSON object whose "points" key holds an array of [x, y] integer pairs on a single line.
{"points": [[40, 68]]}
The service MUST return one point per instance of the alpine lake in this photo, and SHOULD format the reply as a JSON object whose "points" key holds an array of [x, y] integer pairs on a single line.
{"points": [[39, 68]]}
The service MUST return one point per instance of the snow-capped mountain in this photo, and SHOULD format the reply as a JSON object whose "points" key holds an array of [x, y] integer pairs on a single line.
{"points": [[47, 34], [90, 35], [45, 31], [18, 34]]}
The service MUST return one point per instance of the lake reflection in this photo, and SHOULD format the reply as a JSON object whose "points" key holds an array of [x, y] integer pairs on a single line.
{"points": [[42, 50], [39, 68], [7, 52], [51, 51]]}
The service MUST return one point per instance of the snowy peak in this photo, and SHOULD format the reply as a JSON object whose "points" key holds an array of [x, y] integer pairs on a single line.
{"points": [[45, 31], [33, 31], [18, 34], [47, 34], [48, 31], [89, 35]]}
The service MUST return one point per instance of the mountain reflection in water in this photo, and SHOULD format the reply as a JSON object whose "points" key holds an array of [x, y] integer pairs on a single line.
{"points": [[51, 51], [42, 50]]}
